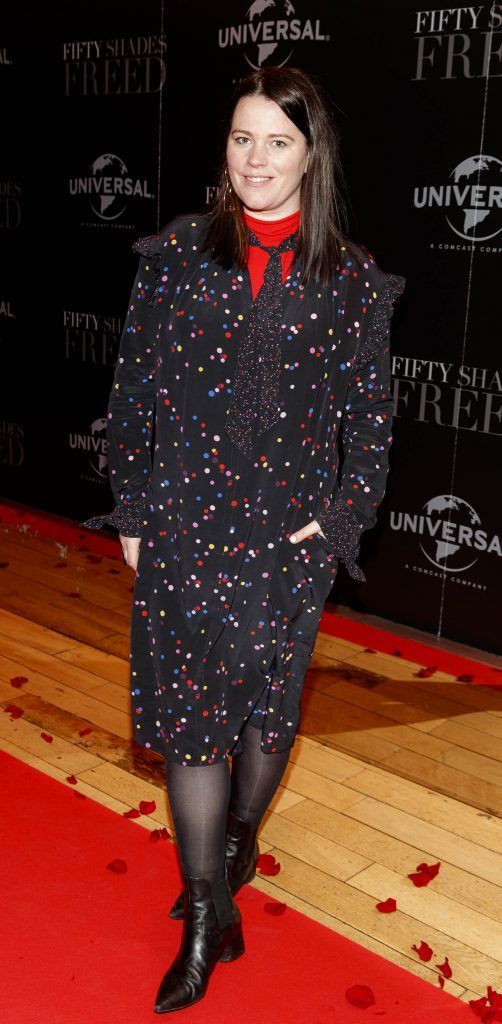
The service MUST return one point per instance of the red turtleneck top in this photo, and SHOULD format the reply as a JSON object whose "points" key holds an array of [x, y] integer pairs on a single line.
{"points": [[270, 232]]}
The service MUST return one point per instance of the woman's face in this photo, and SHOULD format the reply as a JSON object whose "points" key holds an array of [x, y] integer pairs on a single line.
{"points": [[266, 157]]}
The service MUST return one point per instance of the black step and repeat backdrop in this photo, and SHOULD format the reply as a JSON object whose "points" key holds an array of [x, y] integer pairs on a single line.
{"points": [[111, 118]]}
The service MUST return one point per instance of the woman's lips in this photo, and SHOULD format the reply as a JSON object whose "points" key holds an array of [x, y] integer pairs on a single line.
{"points": [[262, 180]]}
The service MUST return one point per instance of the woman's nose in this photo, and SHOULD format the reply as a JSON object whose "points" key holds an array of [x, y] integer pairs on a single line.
{"points": [[257, 157]]}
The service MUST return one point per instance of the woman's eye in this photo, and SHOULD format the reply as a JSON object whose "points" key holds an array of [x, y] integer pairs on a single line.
{"points": [[240, 139]]}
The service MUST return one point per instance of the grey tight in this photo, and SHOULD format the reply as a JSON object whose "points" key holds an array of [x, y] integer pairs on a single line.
{"points": [[200, 796]]}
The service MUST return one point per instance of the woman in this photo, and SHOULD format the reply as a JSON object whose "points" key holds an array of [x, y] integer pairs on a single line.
{"points": [[256, 335]]}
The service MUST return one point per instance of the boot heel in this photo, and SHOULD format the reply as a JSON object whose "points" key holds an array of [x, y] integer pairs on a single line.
{"points": [[234, 949]]}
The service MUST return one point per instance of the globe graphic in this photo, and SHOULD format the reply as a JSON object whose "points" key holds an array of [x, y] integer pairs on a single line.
{"points": [[108, 206], [449, 553], [98, 429], [278, 51], [483, 220]]}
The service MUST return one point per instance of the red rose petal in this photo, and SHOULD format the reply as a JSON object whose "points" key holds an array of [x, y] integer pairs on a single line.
{"points": [[387, 907], [14, 711], [147, 806], [61, 565], [276, 909], [45, 736], [483, 1010], [424, 951], [466, 677], [159, 833], [425, 673], [430, 869], [86, 731], [441, 980], [478, 1005], [265, 859], [95, 559], [74, 593], [118, 866], [271, 871], [369, 650], [267, 864], [420, 879], [360, 995], [424, 874], [72, 780], [445, 968], [494, 998], [133, 813], [18, 681], [3, 565], [397, 654], [81, 796]]}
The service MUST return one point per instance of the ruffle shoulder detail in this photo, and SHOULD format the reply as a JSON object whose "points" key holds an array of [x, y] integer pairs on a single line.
{"points": [[379, 325], [176, 235]]}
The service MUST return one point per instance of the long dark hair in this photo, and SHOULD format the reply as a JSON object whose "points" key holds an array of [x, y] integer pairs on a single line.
{"points": [[323, 209]]}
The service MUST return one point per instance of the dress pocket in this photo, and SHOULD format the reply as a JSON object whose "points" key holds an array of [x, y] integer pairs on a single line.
{"points": [[317, 540], [321, 565], [324, 542]]}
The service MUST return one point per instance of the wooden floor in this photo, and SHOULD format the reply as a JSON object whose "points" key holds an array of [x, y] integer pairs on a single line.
{"points": [[389, 770]]}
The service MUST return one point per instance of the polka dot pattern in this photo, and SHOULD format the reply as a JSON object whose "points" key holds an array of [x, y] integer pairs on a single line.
{"points": [[226, 608], [254, 405]]}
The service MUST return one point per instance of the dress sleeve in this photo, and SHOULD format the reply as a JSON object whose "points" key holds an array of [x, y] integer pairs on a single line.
{"points": [[366, 437], [131, 404]]}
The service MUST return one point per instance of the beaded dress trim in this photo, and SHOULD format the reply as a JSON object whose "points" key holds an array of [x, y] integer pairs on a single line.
{"points": [[338, 521], [254, 406]]}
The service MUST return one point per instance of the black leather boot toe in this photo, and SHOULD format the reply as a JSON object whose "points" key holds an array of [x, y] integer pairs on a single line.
{"points": [[212, 932]]}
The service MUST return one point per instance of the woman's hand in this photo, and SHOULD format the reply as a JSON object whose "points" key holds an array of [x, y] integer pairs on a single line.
{"points": [[130, 550], [306, 531]]}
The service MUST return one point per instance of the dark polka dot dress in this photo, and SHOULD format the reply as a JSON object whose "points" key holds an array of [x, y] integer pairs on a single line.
{"points": [[226, 608]]}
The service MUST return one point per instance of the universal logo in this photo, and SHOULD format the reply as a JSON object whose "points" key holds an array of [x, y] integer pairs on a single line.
{"points": [[6, 310], [449, 532], [95, 445], [269, 32], [471, 199], [109, 187], [5, 59]]}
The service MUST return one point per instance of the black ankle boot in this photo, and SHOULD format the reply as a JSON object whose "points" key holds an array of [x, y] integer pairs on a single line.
{"points": [[241, 853], [212, 932]]}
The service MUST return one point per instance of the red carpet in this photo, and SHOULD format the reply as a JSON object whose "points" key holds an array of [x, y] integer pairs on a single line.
{"points": [[82, 944], [428, 656], [106, 543]]}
